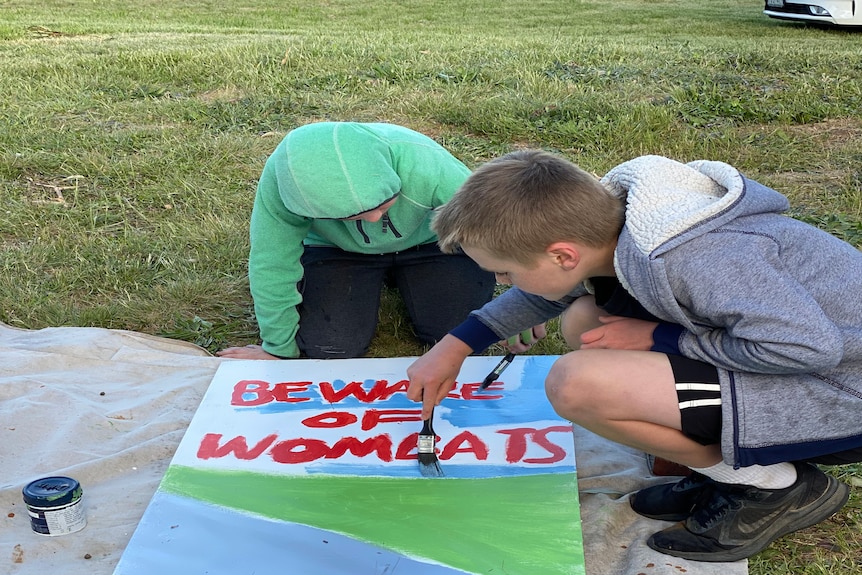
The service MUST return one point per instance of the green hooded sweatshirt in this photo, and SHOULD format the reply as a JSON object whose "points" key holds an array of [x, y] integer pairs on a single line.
{"points": [[324, 172]]}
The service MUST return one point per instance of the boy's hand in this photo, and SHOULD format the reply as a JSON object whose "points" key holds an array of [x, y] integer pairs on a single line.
{"points": [[526, 339], [247, 352], [433, 375], [620, 333]]}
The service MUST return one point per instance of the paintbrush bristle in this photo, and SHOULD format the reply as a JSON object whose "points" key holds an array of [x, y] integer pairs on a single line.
{"points": [[431, 469], [427, 450]]}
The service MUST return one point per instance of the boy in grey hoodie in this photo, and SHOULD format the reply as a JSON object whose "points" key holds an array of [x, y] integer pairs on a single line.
{"points": [[709, 329]]}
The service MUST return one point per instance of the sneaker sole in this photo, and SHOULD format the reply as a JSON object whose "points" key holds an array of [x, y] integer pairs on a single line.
{"points": [[833, 499]]}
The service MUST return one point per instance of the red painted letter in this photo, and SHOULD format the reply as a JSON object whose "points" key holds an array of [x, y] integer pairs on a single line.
{"points": [[331, 419], [381, 391], [469, 391], [516, 444], [382, 444], [298, 450], [210, 447], [472, 443], [541, 438], [374, 416], [407, 445], [260, 389], [281, 391]]}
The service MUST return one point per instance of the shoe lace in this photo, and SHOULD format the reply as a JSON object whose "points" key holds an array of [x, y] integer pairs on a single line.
{"points": [[713, 505], [693, 480]]}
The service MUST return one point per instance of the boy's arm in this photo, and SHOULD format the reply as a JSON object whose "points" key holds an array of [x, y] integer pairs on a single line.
{"points": [[510, 313], [749, 314], [274, 268], [433, 375]]}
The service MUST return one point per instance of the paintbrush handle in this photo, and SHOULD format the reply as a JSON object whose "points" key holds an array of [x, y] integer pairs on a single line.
{"points": [[427, 429], [498, 371]]}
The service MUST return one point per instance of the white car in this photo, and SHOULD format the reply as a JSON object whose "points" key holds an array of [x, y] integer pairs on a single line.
{"points": [[834, 12]]}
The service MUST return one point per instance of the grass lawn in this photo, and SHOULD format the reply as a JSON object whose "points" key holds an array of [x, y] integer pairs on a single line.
{"points": [[132, 135]]}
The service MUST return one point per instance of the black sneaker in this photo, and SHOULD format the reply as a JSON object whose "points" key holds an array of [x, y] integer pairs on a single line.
{"points": [[737, 521], [671, 501]]}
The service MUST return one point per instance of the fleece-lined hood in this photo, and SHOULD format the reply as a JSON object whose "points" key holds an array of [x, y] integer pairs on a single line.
{"points": [[668, 204], [666, 197], [347, 160]]}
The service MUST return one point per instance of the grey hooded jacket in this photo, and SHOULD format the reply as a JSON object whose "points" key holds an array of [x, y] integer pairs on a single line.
{"points": [[774, 303]]}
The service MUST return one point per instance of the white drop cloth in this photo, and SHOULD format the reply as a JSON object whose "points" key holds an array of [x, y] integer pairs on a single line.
{"points": [[109, 407]]}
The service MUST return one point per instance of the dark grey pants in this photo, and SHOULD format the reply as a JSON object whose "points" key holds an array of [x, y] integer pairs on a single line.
{"points": [[341, 296]]}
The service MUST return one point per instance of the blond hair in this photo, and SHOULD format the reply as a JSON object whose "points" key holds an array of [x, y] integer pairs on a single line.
{"points": [[519, 204]]}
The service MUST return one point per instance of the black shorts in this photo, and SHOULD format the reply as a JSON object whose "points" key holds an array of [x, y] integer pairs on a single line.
{"points": [[697, 386], [700, 407], [699, 398]]}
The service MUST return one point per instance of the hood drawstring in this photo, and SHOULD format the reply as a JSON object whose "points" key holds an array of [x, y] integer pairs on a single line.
{"points": [[386, 224], [361, 231]]}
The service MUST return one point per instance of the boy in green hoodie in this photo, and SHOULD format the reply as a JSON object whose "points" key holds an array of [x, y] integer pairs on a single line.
{"points": [[343, 208]]}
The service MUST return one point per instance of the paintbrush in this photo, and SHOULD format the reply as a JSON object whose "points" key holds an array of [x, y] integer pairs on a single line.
{"points": [[427, 450], [498, 371]]}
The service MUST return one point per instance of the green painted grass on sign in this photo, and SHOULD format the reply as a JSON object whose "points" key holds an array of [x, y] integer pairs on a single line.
{"points": [[518, 525]]}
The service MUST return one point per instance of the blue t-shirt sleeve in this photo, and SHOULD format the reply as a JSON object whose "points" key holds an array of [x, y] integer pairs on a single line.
{"points": [[475, 334], [666, 338]]}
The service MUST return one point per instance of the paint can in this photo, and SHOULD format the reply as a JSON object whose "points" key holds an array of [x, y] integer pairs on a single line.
{"points": [[54, 505]]}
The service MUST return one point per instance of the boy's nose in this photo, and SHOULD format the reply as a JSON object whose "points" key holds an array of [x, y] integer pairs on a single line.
{"points": [[373, 215]]}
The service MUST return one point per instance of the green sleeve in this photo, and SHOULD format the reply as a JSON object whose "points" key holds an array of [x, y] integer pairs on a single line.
{"points": [[274, 267]]}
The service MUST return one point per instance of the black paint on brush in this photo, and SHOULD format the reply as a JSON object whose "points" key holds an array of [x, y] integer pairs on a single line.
{"points": [[427, 450], [498, 371]]}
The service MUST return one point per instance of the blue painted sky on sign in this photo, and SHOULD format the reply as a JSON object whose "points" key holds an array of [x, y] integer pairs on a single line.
{"points": [[181, 532]]}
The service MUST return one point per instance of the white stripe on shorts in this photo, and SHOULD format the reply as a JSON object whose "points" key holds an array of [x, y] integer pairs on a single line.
{"points": [[698, 387], [699, 403]]}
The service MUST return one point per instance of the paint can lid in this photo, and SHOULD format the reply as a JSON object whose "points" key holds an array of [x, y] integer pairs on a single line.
{"points": [[52, 492]]}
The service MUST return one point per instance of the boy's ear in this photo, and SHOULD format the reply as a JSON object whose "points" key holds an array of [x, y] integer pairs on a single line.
{"points": [[565, 254]]}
